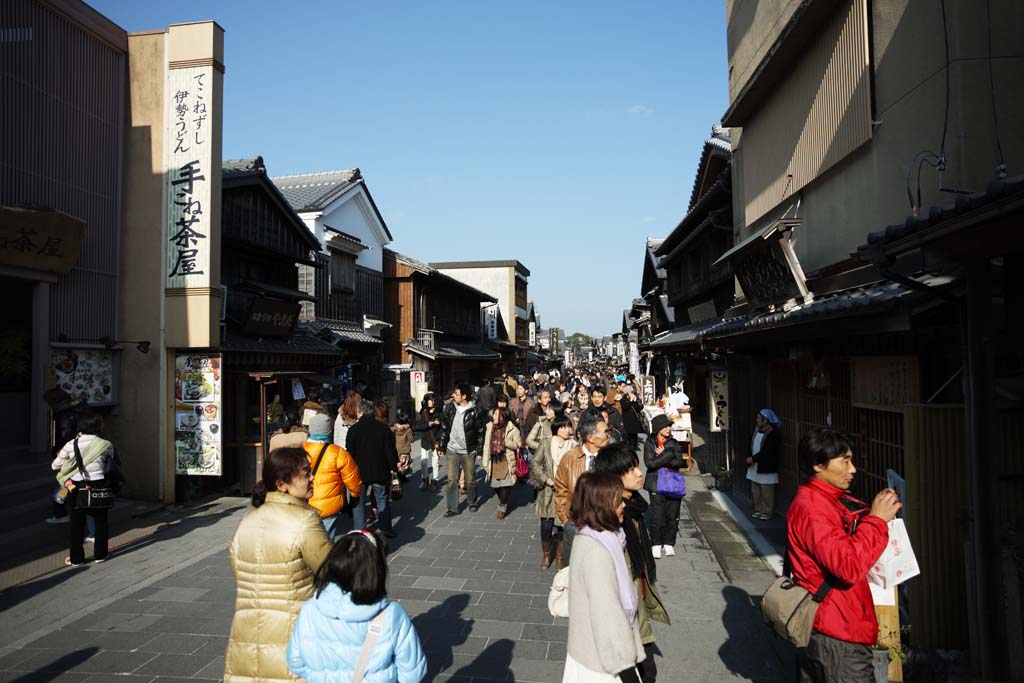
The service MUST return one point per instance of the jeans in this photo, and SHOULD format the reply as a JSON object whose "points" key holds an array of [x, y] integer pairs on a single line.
{"points": [[568, 534], [380, 493], [663, 519], [467, 462], [331, 524], [75, 527], [429, 459]]}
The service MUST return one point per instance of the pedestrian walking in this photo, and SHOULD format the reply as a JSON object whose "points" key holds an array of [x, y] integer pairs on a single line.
{"points": [[763, 463], [835, 538], [291, 434], [661, 450], [347, 416], [350, 624], [604, 644], [429, 426], [544, 414], [593, 437], [632, 413], [333, 470], [622, 461], [598, 396], [278, 547], [547, 456], [522, 407], [403, 443], [372, 444], [84, 462], [460, 442], [501, 442]]}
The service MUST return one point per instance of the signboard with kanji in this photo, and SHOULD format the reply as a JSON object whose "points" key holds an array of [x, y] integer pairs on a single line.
{"points": [[39, 239]]}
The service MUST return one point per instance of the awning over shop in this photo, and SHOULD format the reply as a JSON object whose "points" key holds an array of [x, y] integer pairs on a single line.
{"points": [[682, 336], [872, 299], [301, 342], [450, 350], [275, 290]]}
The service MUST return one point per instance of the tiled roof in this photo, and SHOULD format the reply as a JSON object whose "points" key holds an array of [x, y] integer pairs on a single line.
{"points": [[652, 248], [453, 351], [720, 189], [314, 191], [718, 142], [341, 332], [682, 336], [301, 342], [242, 167], [997, 189], [835, 304], [346, 237]]}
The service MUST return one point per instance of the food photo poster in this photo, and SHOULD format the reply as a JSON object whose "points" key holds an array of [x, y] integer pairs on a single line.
{"points": [[197, 425]]}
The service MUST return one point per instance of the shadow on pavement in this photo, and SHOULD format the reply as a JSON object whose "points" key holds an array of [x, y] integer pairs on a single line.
{"points": [[442, 629], [751, 651], [494, 662], [58, 667], [15, 595]]}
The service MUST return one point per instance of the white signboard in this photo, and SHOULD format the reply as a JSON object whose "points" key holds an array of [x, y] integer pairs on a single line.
{"points": [[189, 176], [197, 414], [533, 334], [634, 359]]}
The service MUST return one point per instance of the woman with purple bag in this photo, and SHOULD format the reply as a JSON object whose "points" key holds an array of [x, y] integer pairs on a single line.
{"points": [[663, 457]]}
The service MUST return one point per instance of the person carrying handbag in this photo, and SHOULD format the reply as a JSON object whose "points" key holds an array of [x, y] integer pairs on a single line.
{"points": [[661, 450], [81, 467]]}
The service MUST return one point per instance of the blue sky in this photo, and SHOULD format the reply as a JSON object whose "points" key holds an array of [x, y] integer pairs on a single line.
{"points": [[559, 133]]}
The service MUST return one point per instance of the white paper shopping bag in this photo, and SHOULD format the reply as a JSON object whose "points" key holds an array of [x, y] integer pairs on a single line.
{"points": [[897, 563]]}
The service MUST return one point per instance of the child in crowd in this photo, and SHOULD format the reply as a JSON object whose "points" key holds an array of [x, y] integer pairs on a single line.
{"points": [[350, 623]]}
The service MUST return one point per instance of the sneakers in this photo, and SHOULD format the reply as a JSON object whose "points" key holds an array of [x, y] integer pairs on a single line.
{"points": [[451, 513], [68, 562], [58, 520], [104, 559], [760, 515], [668, 550], [656, 552], [89, 539], [475, 505]]}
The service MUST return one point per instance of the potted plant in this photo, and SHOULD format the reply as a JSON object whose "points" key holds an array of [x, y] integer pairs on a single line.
{"points": [[883, 651]]}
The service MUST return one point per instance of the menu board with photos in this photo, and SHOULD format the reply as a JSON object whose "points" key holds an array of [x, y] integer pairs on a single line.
{"points": [[83, 374], [197, 414]]}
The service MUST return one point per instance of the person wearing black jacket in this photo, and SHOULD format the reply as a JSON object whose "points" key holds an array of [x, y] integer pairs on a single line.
{"points": [[429, 426], [598, 394], [763, 470], [461, 439], [661, 450], [372, 445], [632, 418]]}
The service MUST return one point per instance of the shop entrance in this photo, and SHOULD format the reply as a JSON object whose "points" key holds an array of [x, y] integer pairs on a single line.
{"points": [[16, 368]]}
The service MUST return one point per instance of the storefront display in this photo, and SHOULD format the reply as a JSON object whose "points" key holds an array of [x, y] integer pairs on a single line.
{"points": [[197, 419], [84, 374]]}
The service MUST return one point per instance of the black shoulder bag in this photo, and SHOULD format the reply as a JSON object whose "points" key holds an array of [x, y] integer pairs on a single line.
{"points": [[89, 496], [316, 465]]}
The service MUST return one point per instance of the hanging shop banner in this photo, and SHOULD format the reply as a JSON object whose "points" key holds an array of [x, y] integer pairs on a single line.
{"points": [[197, 414], [189, 176], [83, 374], [649, 389], [634, 358], [719, 399]]}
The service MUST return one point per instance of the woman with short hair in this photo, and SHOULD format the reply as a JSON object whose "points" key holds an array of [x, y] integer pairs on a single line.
{"points": [[97, 456], [275, 553], [604, 639]]}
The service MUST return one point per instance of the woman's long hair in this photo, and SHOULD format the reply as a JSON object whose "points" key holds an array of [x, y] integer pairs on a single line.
{"points": [[350, 405]]}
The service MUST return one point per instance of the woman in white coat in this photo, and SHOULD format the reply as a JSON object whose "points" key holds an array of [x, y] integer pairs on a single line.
{"points": [[604, 638]]}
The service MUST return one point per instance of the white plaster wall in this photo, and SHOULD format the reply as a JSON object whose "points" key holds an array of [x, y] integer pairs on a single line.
{"points": [[350, 218], [495, 281]]}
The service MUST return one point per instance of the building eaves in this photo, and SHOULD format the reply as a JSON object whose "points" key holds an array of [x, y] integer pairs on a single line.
{"points": [[996, 191], [240, 172], [424, 269], [452, 265], [721, 188], [718, 145], [314, 191]]}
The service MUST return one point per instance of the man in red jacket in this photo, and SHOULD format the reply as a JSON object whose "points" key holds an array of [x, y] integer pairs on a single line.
{"points": [[835, 538]]}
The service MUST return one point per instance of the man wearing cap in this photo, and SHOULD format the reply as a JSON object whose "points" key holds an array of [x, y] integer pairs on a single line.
{"points": [[333, 470]]}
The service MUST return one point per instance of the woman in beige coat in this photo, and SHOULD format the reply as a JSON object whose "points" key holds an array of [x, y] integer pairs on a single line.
{"points": [[278, 547], [546, 458], [501, 440]]}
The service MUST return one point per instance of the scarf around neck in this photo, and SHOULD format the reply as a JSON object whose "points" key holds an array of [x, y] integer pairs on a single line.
{"points": [[613, 542], [638, 540]]}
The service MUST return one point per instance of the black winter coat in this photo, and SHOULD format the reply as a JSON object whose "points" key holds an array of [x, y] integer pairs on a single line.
{"points": [[474, 422], [671, 457], [431, 435], [372, 445], [632, 422], [768, 459]]}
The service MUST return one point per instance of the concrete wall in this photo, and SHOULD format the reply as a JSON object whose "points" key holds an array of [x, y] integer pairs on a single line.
{"points": [[752, 26], [137, 428], [499, 282], [866, 190]]}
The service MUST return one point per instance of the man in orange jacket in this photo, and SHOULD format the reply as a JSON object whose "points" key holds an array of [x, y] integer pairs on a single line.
{"points": [[333, 471]]}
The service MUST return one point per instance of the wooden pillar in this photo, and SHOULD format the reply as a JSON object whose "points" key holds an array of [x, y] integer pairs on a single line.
{"points": [[983, 575]]}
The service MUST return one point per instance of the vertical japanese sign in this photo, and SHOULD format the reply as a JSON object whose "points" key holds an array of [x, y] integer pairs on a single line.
{"points": [[718, 402], [189, 177], [197, 414], [634, 358]]}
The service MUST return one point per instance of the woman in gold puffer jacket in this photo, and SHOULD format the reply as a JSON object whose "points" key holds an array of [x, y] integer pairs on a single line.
{"points": [[278, 547]]}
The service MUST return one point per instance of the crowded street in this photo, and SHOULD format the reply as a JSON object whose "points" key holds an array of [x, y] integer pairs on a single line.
{"points": [[471, 585]]}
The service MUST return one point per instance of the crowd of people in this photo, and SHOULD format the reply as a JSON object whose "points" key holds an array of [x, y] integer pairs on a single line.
{"points": [[312, 600]]}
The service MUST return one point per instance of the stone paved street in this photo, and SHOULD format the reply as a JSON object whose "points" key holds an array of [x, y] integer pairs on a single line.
{"points": [[161, 610]]}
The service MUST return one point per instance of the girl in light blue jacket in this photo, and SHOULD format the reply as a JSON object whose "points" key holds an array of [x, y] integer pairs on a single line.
{"points": [[351, 590]]}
